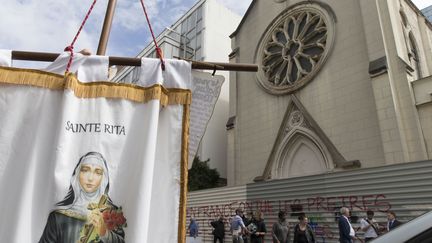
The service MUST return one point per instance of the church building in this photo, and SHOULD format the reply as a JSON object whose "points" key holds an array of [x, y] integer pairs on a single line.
{"points": [[339, 114], [341, 85]]}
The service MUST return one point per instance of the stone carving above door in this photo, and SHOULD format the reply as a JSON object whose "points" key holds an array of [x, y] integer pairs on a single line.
{"points": [[294, 47], [302, 147], [295, 119]]}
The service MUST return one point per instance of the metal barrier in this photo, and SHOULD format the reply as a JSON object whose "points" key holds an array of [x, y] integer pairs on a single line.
{"points": [[405, 189]]}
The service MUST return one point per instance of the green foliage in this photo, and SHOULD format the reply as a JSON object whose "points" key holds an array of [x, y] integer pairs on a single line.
{"points": [[201, 176]]}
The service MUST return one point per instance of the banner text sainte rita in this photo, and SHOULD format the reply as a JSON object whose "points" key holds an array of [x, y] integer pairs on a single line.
{"points": [[95, 127]]}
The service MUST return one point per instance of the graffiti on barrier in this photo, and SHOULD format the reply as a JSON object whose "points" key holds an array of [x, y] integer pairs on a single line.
{"points": [[315, 207], [376, 202]]}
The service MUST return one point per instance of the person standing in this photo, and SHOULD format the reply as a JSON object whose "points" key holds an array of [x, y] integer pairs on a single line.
{"points": [[346, 231], [219, 230], [392, 221], [303, 233], [258, 236], [247, 221], [369, 226], [280, 229], [237, 226], [193, 228]]}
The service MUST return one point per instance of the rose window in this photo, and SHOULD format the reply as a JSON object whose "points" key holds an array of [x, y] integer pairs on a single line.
{"points": [[294, 48]]}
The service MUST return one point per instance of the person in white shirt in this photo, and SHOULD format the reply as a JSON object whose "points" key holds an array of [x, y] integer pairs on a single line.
{"points": [[237, 227], [369, 226]]}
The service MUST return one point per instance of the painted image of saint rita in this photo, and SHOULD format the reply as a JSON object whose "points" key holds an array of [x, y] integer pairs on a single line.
{"points": [[86, 214]]}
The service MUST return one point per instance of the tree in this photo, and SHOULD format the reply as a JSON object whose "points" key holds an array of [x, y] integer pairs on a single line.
{"points": [[201, 176]]}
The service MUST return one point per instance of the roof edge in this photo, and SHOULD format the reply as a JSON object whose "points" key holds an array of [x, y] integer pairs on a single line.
{"points": [[243, 19], [419, 12], [409, 2]]}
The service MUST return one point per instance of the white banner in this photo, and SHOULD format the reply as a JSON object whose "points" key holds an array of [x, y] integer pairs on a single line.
{"points": [[94, 161], [5, 58], [206, 89]]}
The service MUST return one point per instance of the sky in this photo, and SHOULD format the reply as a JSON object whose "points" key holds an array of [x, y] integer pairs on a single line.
{"points": [[421, 4], [50, 25]]}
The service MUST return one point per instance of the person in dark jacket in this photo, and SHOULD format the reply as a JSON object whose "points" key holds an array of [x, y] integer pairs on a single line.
{"points": [[392, 221], [247, 221], [303, 233], [346, 231], [219, 230], [258, 235]]}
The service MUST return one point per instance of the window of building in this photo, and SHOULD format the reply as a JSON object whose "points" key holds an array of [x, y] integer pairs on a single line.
{"points": [[152, 54], [198, 54], [191, 21], [168, 51], [199, 25], [199, 39], [289, 60], [192, 43], [199, 12], [191, 34], [414, 56], [174, 35], [184, 27], [403, 17]]}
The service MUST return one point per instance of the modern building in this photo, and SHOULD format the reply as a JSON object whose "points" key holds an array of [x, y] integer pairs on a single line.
{"points": [[428, 13], [202, 34]]}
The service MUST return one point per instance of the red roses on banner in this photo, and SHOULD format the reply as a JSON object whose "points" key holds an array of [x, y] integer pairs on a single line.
{"points": [[114, 219]]}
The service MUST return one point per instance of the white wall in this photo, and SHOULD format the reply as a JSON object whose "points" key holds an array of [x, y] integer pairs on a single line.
{"points": [[219, 23]]}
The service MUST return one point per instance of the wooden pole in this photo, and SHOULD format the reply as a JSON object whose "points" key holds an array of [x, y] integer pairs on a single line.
{"points": [[106, 29], [130, 61]]}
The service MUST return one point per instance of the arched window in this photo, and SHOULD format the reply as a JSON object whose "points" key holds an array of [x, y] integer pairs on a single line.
{"points": [[301, 153], [404, 18], [414, 57]]}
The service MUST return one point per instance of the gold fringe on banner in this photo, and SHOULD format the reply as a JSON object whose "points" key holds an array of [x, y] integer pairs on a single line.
{"points": [[42, 79], [184, 175]]}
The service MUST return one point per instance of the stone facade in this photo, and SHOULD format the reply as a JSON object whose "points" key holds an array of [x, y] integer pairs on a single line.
{"points": [[368, 103]]}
